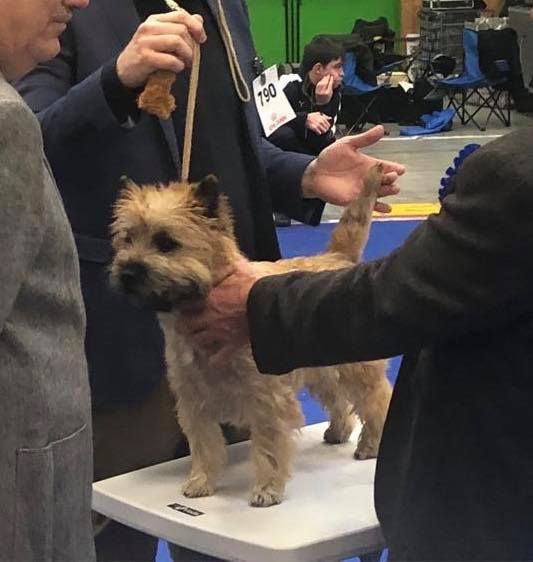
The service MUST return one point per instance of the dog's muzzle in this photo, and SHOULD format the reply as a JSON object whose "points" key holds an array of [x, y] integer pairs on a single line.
{"points": [[133, 281], [131, 277], [187, 292], [178, 295]]}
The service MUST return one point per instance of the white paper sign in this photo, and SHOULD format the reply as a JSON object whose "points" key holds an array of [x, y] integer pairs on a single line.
{"points": [[272, 104]]}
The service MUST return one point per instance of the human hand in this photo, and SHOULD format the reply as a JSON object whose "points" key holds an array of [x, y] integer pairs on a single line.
{"points": [[220, 326], [337, 175], [162, 42], [318, 123], [324, 90]]}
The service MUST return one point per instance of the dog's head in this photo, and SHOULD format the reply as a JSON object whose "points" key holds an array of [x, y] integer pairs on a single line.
{"points": [[170, 242]]}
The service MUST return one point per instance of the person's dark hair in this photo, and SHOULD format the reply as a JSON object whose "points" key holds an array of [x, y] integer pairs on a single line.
{"points": [[320, 50]]}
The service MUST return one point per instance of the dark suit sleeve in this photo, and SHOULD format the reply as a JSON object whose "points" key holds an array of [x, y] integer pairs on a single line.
{"points": [[461, 272], [66, 110], [285, 171]]}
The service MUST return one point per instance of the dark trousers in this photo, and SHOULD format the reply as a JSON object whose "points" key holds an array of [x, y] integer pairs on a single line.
{"points": [[287, 139]]}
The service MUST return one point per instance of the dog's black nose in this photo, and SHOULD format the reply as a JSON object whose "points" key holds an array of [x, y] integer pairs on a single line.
{"points": [[132, 275]]}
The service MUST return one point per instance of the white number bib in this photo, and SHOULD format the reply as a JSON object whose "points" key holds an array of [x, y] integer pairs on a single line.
{"points": [[272, 104]]}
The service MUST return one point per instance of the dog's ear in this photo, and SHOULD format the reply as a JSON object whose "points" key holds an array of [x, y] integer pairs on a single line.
{"points": [[207, 194]]}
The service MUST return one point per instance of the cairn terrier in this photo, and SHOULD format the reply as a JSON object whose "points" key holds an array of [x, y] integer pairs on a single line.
{"points": [[173, 244]]}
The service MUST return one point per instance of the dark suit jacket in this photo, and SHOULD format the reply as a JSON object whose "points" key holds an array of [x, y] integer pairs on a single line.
{"points": [[455, 471], [89, 151]]}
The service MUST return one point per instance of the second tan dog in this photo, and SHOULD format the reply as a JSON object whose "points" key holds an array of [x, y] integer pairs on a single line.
{"points": [[173, 244]]}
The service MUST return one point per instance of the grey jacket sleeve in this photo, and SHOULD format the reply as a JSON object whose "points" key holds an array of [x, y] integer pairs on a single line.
{"points": [[21, 199], [461, 272]]}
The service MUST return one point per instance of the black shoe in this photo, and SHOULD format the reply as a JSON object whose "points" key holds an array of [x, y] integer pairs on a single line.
{"points": [[281, 220]]}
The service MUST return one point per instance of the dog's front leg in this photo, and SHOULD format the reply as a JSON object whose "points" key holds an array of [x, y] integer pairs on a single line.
{"points": [[272, 454], [208, 451]]}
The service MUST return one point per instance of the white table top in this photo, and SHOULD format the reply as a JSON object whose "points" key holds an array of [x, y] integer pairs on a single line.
{"points": [[328, 513]]}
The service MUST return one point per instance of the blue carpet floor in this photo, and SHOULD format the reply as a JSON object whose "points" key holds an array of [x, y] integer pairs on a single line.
{"points": [[298, 240], [384, 237]]}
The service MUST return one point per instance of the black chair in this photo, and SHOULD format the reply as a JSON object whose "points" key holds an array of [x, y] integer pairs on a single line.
{"points": [[378, 35]]}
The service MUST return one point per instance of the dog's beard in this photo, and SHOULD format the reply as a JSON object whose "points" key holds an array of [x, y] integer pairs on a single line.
{"points": [[176, 297], [160, 303]]}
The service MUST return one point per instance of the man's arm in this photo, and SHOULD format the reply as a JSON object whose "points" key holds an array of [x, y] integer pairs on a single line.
{"points": [[333, 106], [318, 120], [461, 272], [21, 200], [336, 176], [285, 171], [66, 110]]}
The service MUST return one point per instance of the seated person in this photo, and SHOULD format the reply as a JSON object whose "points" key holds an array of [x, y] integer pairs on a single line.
{"points": [[315, 96]]}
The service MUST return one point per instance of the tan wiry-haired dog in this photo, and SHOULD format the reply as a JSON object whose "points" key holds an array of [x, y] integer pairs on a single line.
{"points": [[173, 244]]}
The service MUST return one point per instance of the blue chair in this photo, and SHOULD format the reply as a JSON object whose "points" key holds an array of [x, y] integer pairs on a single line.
{"points": [[473, 82], [355, 87]]}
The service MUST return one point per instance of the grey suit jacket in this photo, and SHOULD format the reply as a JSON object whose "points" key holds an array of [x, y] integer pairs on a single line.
{"points": [[45, 432]]}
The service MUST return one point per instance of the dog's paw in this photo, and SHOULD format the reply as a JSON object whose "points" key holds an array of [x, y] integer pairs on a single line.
{"points": [[334, 436], [265, 497], [198, 488], [364, 452]]}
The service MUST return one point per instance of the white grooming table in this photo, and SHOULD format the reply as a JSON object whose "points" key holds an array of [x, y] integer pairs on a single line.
{"points": [[328, 513]]}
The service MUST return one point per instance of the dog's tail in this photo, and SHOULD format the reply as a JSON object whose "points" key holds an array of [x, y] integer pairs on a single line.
{"points": [[351, 234]]}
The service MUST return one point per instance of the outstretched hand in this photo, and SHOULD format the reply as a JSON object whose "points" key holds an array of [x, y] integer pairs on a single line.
{"points": [[337, 175]]}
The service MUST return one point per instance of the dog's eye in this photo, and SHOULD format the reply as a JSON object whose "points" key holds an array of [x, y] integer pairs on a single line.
{"points": [[164, 243], [127, 239]]}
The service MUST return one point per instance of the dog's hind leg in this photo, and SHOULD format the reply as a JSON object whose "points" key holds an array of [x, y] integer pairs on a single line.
{"points": [[367, 387], [208, 451], [323, 384]]}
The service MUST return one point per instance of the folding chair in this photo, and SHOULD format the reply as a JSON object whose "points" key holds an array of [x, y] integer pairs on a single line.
{"points": [[381, 39], [473, 83], [355, 87]]}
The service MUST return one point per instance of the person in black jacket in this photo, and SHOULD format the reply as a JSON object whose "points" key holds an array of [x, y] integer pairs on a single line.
{"points": [[315, 96], [454, 476]]}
